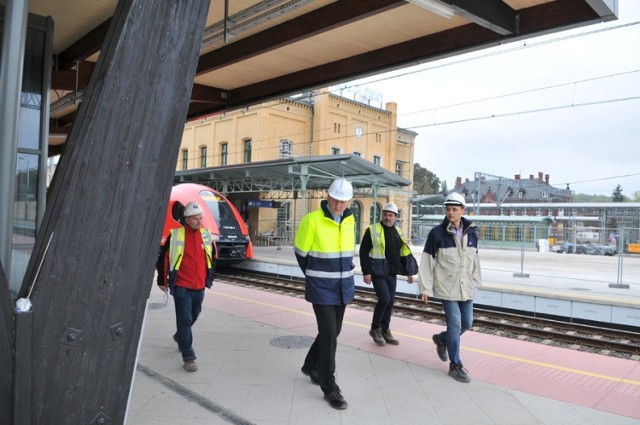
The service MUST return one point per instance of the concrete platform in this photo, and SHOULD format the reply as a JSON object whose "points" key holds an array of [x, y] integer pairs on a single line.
{"points": [[247, 376]]}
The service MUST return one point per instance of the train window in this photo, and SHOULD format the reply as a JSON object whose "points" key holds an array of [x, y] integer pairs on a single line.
{"points": [[218, 206], [177, 212]]}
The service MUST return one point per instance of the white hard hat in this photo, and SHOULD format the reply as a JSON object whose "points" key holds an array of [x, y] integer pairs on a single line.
{"points": [[391, 207], [341, 190], [192, 209], [454, 198]]}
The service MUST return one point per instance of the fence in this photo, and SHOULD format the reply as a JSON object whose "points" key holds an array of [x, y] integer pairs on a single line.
{"points": [[577, 258]]}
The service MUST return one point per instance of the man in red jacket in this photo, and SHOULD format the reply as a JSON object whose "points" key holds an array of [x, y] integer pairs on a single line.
{"points": [[186, 265]]}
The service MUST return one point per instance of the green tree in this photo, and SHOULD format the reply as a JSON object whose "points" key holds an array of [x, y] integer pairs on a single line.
{"points": [[617, 195], [424, 181]]}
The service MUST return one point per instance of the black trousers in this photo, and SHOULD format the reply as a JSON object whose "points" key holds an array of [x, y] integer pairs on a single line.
{"points": [[385, 288], [322, 353]]}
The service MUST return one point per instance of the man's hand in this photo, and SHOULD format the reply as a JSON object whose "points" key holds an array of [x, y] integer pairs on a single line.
{"points": [[409, 279], [367, 279], [424, 298], [163, 288]]}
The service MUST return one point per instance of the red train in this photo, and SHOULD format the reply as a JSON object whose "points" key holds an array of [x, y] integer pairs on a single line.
{"points": [[229, 230]]}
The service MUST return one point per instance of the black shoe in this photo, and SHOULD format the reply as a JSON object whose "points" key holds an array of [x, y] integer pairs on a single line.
{"points": [[335, 400], [457, 372], [376, 334], [388, 337], [441, 348], [311, 373]]}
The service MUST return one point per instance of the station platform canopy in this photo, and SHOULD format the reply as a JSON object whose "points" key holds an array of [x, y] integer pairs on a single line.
{"points": [[312, 174]]}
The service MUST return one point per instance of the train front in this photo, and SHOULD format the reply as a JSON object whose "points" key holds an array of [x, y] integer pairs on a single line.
{"points": [[229, 231], [232, 237]]}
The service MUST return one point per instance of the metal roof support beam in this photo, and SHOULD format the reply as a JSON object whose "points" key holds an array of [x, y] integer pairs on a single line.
{"points": [[374, 187], [304, 179], [11, 68]]}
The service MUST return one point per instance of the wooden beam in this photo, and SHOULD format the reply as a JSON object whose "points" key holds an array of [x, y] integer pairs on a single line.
{"points": [[206, 94], [95, 249], [494, 15], [324, 19], [87, 46], [72, 79], [6, 349], [556, 14]]}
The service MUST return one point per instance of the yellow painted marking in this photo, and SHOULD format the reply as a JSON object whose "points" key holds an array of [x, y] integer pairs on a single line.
{"points": [[475, 350]]}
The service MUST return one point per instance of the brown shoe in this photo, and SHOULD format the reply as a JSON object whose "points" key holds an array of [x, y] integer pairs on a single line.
{"points": [[190, 366], [388, 337]]}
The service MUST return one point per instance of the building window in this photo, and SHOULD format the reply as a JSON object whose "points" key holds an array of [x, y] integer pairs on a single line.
{"points": [[224, 153], [247, 150], [358, 154], [545, 194], [285, 148], [378, 138], [335, 151], [399, 168], [376, 159], [203, 157], [336, 127], [185, 159]]}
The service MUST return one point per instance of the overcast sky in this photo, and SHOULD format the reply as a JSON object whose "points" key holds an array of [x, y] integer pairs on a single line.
{"points": [[567, 105]]}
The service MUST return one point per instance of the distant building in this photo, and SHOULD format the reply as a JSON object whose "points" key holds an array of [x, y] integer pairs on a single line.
{"points": [[487, 189]]}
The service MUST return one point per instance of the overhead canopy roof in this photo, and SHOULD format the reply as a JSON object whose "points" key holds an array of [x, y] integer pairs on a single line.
{"points": [[273, 48], [295, 174]]}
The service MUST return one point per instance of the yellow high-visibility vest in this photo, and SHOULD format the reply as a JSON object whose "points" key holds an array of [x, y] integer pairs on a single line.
{"points": [[176, 249]]}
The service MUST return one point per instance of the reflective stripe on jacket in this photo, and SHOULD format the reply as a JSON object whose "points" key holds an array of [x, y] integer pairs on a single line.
{"points": [[379, 263], [324, 250]]}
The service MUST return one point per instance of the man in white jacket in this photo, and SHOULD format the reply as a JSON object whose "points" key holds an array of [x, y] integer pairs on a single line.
{"points": [[450, 272]]}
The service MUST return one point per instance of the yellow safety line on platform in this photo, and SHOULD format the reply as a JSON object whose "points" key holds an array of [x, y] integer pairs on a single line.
{"points": [[475, 350]]}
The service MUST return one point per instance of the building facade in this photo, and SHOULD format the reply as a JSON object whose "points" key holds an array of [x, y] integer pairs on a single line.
{"points": [[313, 124]]}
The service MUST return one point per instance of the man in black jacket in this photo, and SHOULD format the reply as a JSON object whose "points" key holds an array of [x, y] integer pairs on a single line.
{"points": [[381, 249]]}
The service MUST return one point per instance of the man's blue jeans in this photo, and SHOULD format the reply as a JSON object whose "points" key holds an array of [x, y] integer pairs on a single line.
{"points": [[459, 318], [188, 306]]}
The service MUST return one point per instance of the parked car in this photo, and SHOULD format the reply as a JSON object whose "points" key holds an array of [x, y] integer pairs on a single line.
{"points": [[587, 248]]}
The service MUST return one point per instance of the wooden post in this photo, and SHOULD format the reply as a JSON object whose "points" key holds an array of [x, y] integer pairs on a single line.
{"points": [[6, 350], [105, 212]]}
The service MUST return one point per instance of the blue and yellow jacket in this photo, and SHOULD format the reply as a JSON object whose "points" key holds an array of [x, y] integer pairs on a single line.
{"points": [[324, 250], [450, 270]]}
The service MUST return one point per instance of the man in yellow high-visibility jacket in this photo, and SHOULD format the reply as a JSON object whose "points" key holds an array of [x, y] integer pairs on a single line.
{"points": [[324, 248]]}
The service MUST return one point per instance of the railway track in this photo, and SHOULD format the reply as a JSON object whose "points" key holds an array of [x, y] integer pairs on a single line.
{"points": [[581, 337]]}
